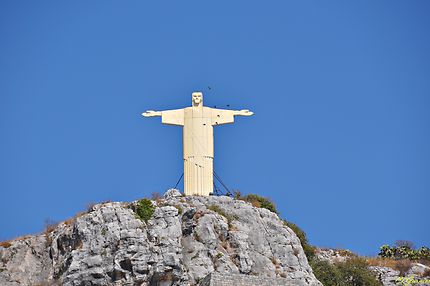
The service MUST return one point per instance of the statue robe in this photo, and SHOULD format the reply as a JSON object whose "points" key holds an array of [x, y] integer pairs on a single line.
{"points": [[198, 143]]}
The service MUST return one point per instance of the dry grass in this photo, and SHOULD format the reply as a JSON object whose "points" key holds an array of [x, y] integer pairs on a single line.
{"points": [[22, 238], [79, 245], [79, 214], [402, 265], [225, 245], [50, 226], [198, 215], [166, 277], [275, 262], [90, 206], [231, 226], [256, 204], [157, 197], [8, 243], [5, 244], [70, 221], [259, 202], [384, 262], [345, 253]]}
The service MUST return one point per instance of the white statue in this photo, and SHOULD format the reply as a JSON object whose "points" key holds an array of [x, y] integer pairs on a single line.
{"points": [[198, 140]]}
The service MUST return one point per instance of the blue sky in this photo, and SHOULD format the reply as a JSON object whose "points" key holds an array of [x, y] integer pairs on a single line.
{"points": [[340, 89]]}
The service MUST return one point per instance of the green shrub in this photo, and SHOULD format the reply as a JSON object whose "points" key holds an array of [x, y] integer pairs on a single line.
{"points": [[308, 249], [352, 272], [355, 271], [404, 251], [260, 202], [145, 209], [424, 252], [326, 273], [386, 251], [180, 209]]}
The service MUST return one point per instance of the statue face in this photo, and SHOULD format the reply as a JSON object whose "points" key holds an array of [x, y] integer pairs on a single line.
{"points": [[197, 98]]}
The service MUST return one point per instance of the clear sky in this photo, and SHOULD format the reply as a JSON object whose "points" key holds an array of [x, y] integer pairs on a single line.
{"points": [[340, 139]]}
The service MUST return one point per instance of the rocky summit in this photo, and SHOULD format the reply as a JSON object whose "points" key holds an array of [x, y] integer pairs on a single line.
{"points": [[186, 241]]}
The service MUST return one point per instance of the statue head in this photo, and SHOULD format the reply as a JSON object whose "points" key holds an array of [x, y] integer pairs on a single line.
{"points": [[197, 98]]}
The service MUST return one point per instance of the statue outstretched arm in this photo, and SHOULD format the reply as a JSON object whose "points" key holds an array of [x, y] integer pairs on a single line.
{"points": [[171, 117], [151, 113], [243, 112], [225, 116]]}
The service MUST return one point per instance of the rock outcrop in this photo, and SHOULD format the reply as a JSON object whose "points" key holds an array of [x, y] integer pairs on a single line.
{"points": [[186, 239]]}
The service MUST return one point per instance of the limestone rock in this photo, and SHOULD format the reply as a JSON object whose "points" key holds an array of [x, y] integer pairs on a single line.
{"points": [[333, 255], [386, 275], [186, 239], [172, 193]]}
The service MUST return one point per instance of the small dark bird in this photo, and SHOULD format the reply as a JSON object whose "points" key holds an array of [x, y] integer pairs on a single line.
{"points": [[209, 88], [228, 105]]}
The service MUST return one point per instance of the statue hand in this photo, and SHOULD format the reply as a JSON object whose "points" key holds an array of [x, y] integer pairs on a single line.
{"points": [[150, 113], [246, 112]]}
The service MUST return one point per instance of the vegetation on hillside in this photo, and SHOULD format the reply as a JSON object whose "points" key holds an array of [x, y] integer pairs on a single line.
{"points": [[308, 249], [404, 250], [257, 201], [144, 209], [352, 272]]}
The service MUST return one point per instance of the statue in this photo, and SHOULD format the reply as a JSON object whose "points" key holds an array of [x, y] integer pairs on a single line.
{"points": [[198, 140]]}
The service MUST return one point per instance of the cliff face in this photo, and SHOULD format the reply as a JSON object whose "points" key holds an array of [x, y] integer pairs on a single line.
{"points": [[186, 239]]}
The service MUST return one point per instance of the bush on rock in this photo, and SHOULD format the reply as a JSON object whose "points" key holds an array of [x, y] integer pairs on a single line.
{"points": [[145, 209]]}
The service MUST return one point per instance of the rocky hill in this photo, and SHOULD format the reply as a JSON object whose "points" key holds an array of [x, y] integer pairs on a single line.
{"points": [[186, 241]]}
